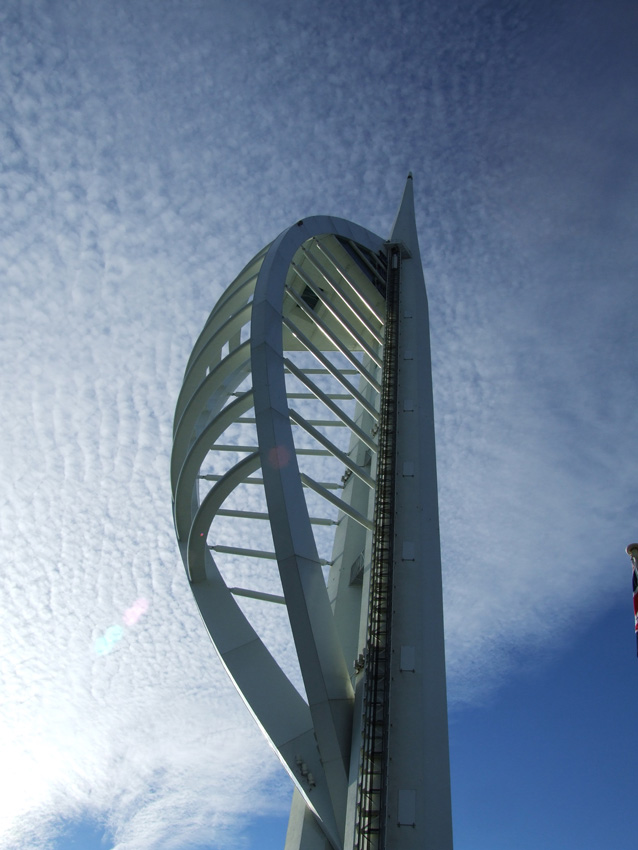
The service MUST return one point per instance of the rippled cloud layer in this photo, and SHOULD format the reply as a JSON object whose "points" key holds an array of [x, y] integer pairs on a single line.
{"points": [[146, 154]]}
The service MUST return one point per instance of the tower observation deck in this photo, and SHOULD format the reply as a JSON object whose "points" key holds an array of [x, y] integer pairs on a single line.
{"points": [[304, 497]]}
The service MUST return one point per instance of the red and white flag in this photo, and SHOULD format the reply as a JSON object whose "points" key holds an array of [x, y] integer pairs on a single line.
{"points": [[632, 551]]}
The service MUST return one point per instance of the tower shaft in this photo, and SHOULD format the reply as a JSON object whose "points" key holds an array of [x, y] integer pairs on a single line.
{"points": [[418, 776], [327, 321], [399, 796]]}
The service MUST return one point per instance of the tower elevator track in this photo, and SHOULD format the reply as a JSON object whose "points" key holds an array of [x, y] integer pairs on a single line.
{"points": [[371, 792]]}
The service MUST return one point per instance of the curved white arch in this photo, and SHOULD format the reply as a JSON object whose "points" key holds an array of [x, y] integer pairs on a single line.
{"points": [[313, 739]]}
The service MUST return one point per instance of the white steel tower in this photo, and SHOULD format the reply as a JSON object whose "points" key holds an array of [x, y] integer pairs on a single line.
{"points": [[304, 444]]}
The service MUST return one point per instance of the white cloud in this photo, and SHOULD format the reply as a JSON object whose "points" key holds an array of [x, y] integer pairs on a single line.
{"points": [[146, 157]]}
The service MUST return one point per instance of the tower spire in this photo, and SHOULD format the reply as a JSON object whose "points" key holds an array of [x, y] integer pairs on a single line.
{"points": [[367, 748], [404, 227]]}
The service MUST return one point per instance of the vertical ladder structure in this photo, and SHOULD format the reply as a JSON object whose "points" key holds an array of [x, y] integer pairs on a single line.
{"points": [[372, 774], [305, 502]]}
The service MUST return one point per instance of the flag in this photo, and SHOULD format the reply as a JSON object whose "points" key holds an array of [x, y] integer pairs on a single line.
{"points": [[632, 551]]}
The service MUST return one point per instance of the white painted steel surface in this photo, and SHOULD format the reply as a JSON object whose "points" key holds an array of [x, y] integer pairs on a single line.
{"points": [[278, 420], [418, 732]]}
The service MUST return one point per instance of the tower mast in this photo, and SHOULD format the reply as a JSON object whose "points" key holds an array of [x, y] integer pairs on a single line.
{"points": [[418, 777], [327, 321]]}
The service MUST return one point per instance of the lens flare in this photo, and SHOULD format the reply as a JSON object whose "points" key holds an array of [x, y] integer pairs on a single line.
{"points": [[133, 614], [105, 643], [111, 636], [278, 457]]}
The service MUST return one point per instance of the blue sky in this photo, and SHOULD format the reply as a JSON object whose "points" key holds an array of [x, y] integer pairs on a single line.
{"points": [[147, 151]]}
